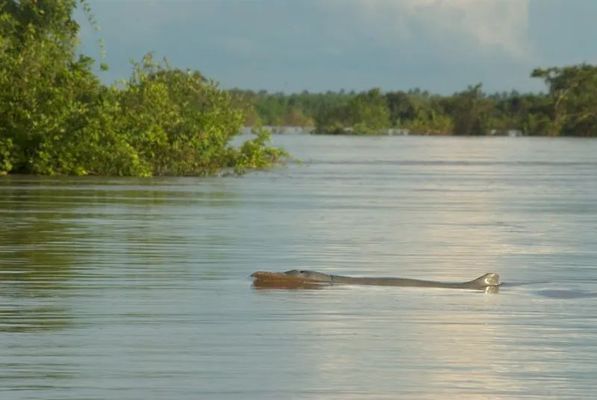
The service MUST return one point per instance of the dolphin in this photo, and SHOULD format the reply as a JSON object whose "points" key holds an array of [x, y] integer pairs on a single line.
{"points": [[312, 279]]}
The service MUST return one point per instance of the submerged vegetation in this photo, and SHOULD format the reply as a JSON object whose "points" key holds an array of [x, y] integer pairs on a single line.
{"points": [[569, 108], [56, 117]]}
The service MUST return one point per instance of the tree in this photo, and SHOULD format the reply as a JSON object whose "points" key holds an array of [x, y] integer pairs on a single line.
{"points": [[400, 107], [57, 118], [470, 111], [573, 95], [44, 88], [369, 113]]}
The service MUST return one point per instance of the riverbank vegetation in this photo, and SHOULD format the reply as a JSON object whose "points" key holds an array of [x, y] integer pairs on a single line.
{"points": [[568, 108], [56, 117]]}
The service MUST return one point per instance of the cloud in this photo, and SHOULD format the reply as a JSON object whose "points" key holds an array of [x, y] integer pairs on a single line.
{"points": [[486, 25], [441, 45]]}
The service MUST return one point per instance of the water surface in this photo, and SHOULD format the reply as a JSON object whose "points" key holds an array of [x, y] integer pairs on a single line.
{"points": [[139, 289]]}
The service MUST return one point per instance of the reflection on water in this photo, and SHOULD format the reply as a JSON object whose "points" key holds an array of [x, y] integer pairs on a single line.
{"points": [[135, 288]]}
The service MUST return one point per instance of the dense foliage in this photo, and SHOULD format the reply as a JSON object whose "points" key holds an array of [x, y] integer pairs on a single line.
{"points": [[569, 108], [57, 118], [572, 99]]}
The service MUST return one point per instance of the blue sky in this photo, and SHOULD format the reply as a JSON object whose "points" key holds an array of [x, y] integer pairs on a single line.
{"points": [[319, 45]]}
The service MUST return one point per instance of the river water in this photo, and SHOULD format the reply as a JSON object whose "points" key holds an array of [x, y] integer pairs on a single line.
{"points": [[138, 288]]}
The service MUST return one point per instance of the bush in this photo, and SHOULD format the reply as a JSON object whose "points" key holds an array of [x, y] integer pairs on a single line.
{"points": [[57, 118]]}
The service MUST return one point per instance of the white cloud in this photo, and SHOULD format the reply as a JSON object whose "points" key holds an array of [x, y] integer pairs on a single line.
{"points": [[488, 25]]}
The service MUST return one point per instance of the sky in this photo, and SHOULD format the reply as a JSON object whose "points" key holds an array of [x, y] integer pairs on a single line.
{"points": [[318, 45]]}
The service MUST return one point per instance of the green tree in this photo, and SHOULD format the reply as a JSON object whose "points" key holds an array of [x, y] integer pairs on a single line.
{"points": [[369, 113], [573, 95], [57, 118], [44, 88], [427, 114], [365, 113], [470, 111], [400, 107]]}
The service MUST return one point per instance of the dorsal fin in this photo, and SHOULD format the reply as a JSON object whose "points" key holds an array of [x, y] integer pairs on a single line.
{"points": [[489, 279]]}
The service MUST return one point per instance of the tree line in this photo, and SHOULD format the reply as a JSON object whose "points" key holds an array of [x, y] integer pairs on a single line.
{"points": [[56, 117], [567, 108]]}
